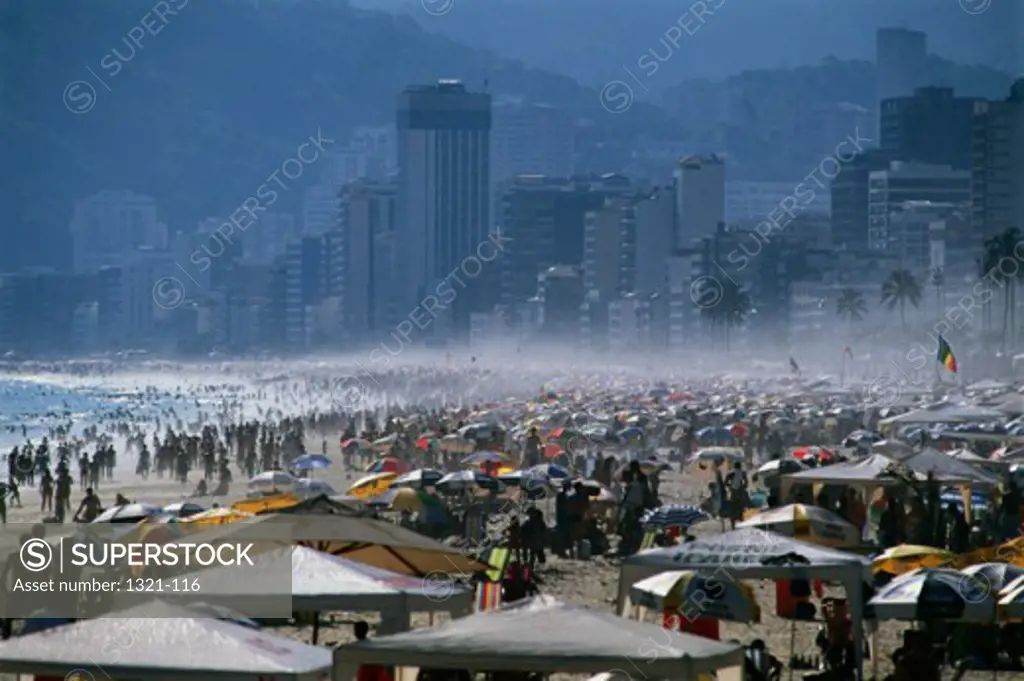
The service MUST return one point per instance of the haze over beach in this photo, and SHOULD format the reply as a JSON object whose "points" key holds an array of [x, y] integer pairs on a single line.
{"points": [[646, 340]]}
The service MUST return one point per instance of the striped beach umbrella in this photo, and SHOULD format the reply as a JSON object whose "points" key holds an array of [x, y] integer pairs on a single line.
{"points": [[809, 523], [904, 558], [674, 515], [694, 594], [935, 594]]}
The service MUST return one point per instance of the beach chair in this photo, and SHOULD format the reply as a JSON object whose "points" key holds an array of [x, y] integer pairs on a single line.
{"points": [[488, 591], [648, 541], [488, 596]]}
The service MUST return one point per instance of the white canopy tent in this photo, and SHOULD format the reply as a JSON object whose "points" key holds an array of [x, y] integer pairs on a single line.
{"points": [[754, 554], [322, 582], [161, 642], [542, 634], [947, 468], [945, 413]]}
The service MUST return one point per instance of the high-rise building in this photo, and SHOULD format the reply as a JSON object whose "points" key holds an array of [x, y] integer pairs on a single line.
{"points": [[932, 126], [997, 168], [900, 62], [849, 198], [889, 191], [654, 228], [602, 248], [108, 226], [700, 198], [319, 210], [755, 201], [544, 217], [370, 219], [534, 139], [304, 286], [443, 194]]}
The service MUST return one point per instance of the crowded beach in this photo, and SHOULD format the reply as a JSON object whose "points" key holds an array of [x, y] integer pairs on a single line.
{"points": [[595, 525]]}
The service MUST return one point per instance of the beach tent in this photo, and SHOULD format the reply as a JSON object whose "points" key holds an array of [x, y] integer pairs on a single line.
{"points": [[948, 469], [365, 540], [749, 553], [157, 641], [945, 413], [305, 580], [542, 634], [872, 471]]}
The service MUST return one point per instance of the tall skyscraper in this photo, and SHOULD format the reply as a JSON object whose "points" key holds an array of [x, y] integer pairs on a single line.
{"points": [[849, 198], [443, 194], [933, 127], [900, 62], [997, 169], [369, 219], [700, 198], [530, 138]]}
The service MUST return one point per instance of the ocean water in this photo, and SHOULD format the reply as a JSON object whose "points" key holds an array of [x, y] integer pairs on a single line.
{"points": [[41, 406]]}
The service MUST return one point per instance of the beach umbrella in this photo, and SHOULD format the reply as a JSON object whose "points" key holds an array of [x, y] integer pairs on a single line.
{"points": [[427, 441], [715, 435], [779, 467], [998, 577], [272, 480], [477, 458], [453, 443], [814, 452], [694, 594], [548, 472], [217, 516], [809, 523], [1011, 600], [905, 558], [404, 499], [371, 485], [385, 442], [861, 436], [466, 480], [738, 430], [129, 513], [674, 515], [161, 519], [310, 462], [419, 478], [356, 443], [389, 464], [551, 450], [183, 509], [563, 434], [978, 500], [717, 455], [934, 594], [308, 488]]}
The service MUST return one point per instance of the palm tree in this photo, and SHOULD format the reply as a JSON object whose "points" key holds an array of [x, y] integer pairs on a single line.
{"points": [[998, 250], [850, 305], [900, 287], [731, 311]]}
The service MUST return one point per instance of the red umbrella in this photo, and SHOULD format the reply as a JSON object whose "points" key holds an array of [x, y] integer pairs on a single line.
{"points": [[738, 430], [820, 453], [552, 450], [556, 433], [426, 441], [390, 464]]}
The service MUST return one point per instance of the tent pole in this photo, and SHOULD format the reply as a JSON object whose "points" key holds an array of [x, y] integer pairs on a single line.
{"points": [[316, 627]]}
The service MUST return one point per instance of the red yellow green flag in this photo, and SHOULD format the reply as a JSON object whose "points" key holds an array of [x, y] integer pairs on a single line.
{"points": [[946, 355]]}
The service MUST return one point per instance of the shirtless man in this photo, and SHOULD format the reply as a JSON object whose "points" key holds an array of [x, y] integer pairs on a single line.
{"points": [[91, 507]]}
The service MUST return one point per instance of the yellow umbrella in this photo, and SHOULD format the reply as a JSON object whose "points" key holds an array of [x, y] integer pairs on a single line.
{"points": [[693, 594], [908, 557], [217, 516], [371, 485], [277, 502], [809, 523]]}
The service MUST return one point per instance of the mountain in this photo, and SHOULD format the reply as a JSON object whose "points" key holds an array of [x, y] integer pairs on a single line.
{"points": [[592, 40], [211, 100]]}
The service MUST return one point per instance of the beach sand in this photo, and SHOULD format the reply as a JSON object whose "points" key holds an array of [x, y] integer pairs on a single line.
{"points": [[591, 583]]}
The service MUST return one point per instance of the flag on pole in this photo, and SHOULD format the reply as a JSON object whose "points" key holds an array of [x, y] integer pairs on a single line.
{"points": [[794, 366], [946, 356], [848, 351]]}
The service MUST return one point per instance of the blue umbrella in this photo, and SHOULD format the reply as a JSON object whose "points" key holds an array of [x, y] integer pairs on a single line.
{"points": [[977, 500], [548, 471], [310, 462], [477, 458], [716, 435], [674, 515]]}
